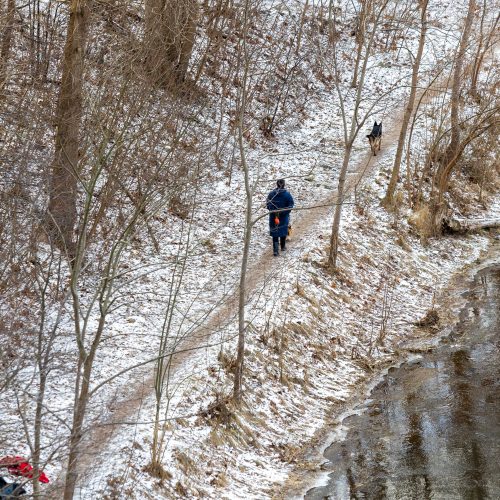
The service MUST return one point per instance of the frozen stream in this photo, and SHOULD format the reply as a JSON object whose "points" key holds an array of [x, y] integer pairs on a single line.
{"points": [[431, 428]]}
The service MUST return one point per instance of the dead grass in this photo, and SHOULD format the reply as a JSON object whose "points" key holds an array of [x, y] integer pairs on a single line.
{"points": [[401, 241], [209, 245], [288, 452], [157, 470], [181, 489], [421, 221], [187, 464], [220, 480], [301, 330], [220, 412], [227, 362], [430, 319], [115, 488]]}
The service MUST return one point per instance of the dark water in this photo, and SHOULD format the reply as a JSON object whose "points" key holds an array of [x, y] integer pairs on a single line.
{"points": [[431, 428]]}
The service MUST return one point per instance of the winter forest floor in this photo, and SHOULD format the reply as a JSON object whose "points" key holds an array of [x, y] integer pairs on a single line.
{"points": [[264, 268], [392, 282], [316, 338]]}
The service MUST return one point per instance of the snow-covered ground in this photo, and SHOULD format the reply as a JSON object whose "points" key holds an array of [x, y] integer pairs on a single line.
{"points": [[313, 337]]}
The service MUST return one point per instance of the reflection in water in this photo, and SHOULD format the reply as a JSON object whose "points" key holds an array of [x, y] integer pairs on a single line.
{"points": [[416, 459], [432, 428], [465, 415]]}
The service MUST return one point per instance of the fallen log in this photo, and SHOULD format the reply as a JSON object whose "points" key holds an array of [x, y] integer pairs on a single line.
{"points": [[469, 225]]}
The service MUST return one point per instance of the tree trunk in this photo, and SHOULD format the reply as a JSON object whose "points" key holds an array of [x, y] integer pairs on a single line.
{"points": [[350, 135], [334, 238], [37, 433], [169, 39], [76, 437], [360, 38], [301, 27], [240, 356], [389, 197], [455, 146], [477, 59], [189, 20], [63, 189], [483, 46], [238, 372], [457, 80], [81, 402], [8, 29], [331, 24], [465, 226]]}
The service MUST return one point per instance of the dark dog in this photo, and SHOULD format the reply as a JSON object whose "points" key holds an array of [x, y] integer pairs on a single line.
{"points": [[375, 138]]}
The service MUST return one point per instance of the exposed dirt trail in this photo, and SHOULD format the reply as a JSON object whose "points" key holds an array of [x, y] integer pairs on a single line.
{"points": [[260, 269]]}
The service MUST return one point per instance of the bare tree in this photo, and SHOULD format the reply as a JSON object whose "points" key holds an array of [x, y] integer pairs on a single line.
{"points": [[483, 121], [485, 43], [170, 341], [360, 34], [352, 128], [8, 29], [389, 197], [88, 339], [455, 146], [48, 330], [169, 38], [61, 216], [458, 74], [238, 371], [301, 27]]}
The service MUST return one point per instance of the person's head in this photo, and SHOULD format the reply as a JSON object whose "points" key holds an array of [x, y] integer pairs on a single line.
{"points": [[280, 183]]}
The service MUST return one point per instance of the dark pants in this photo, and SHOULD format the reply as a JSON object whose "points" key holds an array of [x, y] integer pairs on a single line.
{"points": [[278, 240]]}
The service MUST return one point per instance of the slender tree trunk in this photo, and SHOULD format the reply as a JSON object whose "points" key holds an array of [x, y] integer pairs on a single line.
{"points": [[360, 38], [334, 238], [75, 439], [63, 189], [301, 26], [164, 364], [240, 356], [477, 61], [482, 48], [457, 80], [38, 432], [389, 197], [43, 361], [238, 374], [8, 30], [350, 133], [331, 24], [80, 412]]}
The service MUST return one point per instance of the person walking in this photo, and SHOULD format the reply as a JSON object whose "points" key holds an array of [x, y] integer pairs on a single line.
{"points": [[278, 200]]}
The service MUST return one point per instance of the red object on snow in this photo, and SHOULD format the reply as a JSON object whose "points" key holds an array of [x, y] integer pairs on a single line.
{"points": [[19, 466]]}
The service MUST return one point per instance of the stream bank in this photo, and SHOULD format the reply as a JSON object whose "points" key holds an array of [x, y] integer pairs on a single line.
{"points": [[431, 428], [386, 442]]}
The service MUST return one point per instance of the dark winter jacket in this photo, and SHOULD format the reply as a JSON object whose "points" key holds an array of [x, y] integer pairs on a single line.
{"points": [[10, 490], [277, 200]]}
